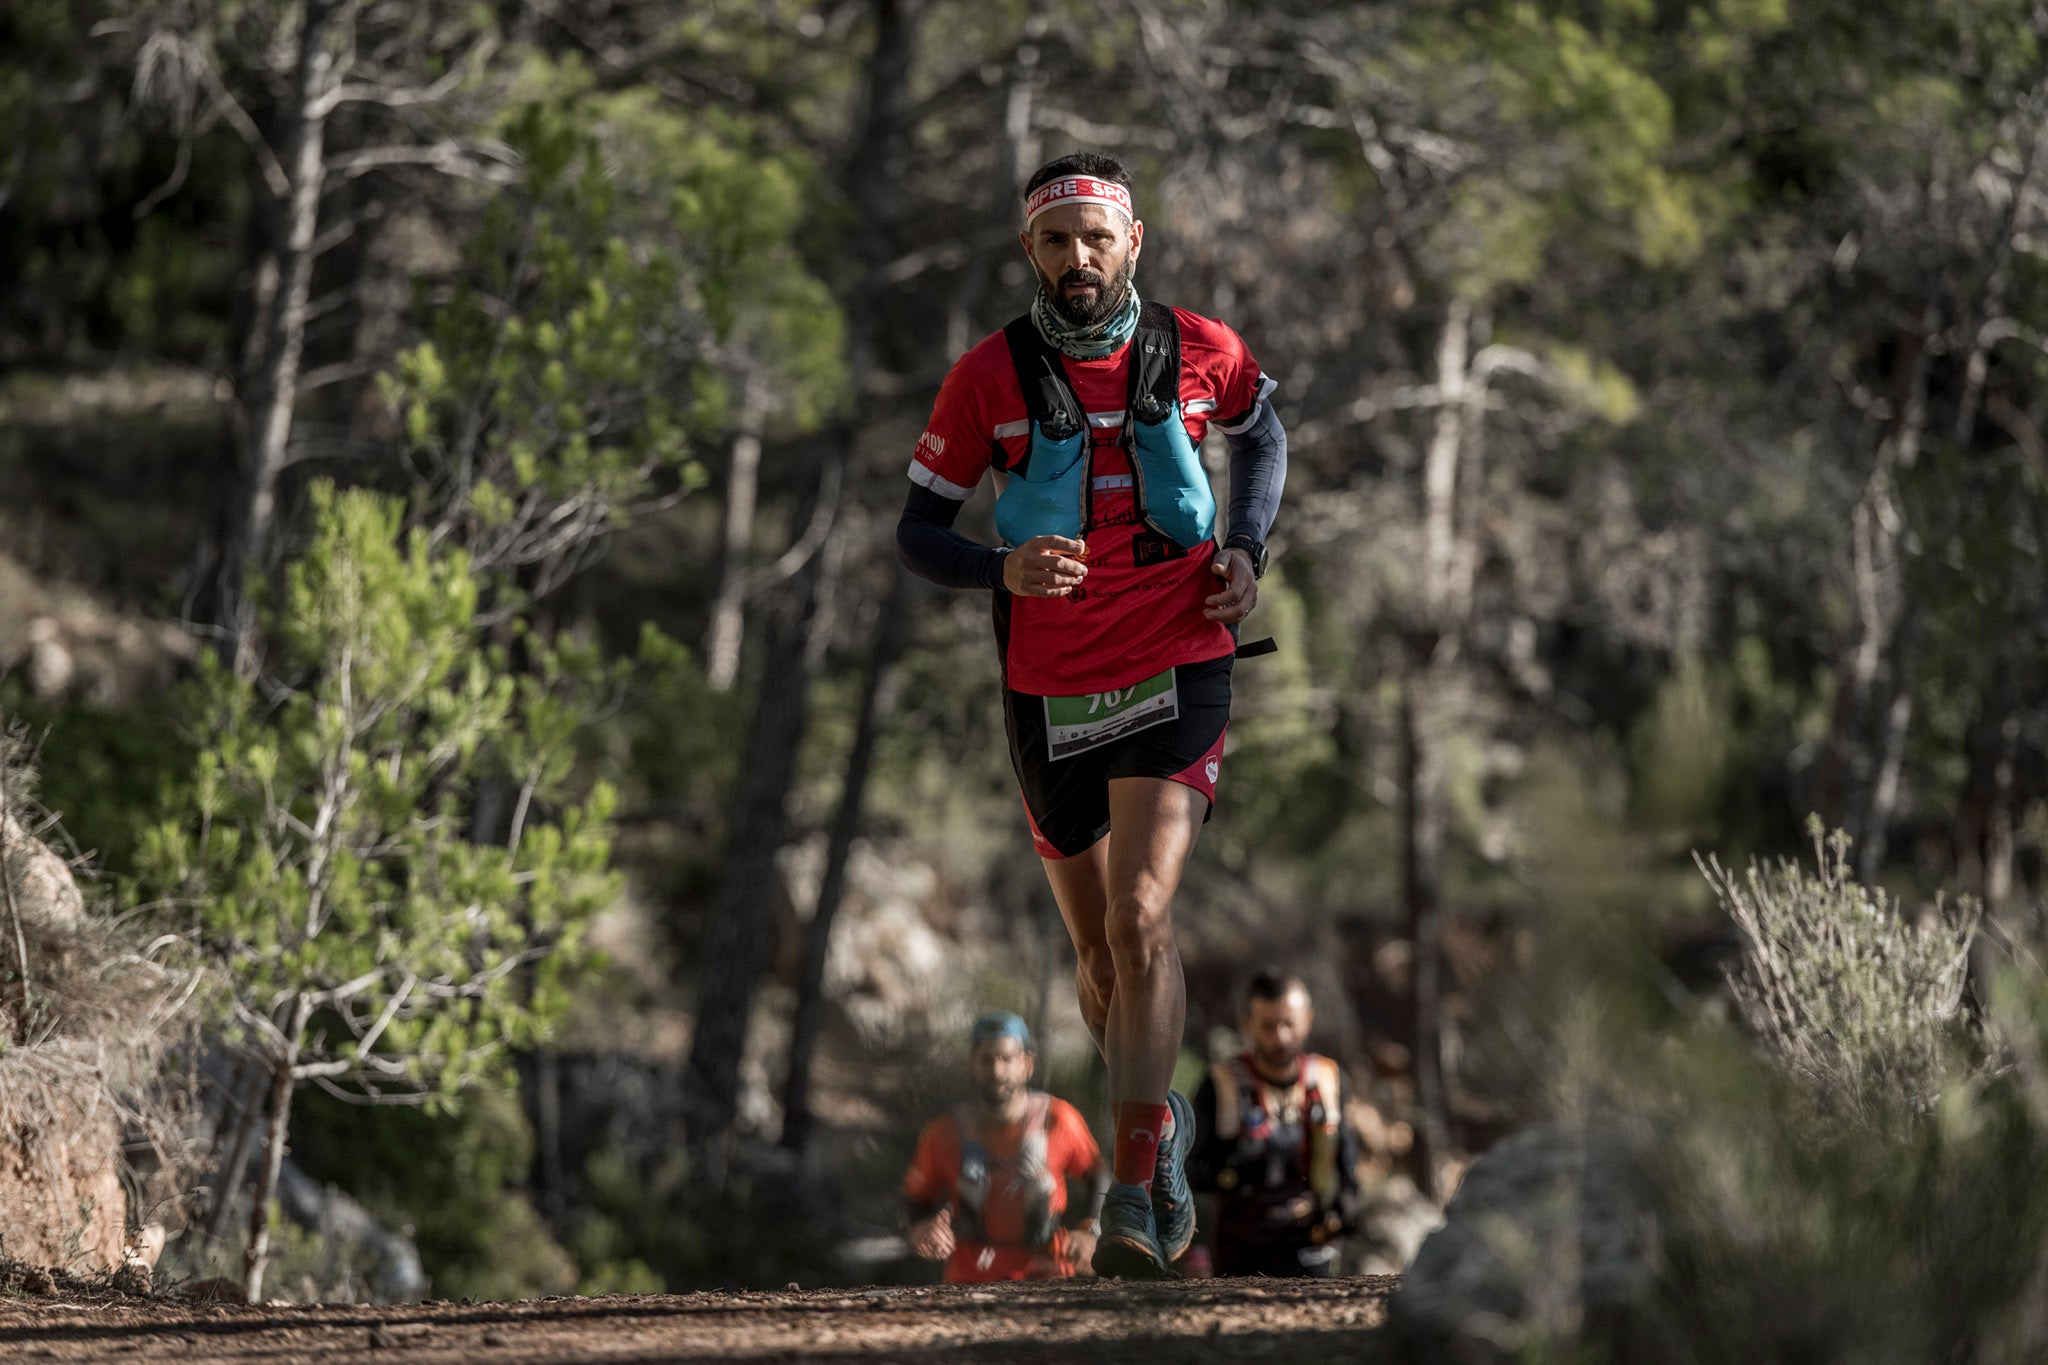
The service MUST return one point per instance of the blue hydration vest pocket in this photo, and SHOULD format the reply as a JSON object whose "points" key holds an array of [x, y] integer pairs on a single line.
{"points": [[1045, 497], [1173, 488]]}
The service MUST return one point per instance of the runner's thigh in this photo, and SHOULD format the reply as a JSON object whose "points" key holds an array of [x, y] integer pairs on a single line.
{"points": [[1067, 799]]}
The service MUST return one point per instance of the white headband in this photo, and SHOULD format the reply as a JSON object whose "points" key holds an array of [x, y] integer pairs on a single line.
{"points": [[1077, 189]]}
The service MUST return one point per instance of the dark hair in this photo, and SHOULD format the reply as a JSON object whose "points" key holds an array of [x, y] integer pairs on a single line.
{"points": [[1271, 983], [1097, 164]]}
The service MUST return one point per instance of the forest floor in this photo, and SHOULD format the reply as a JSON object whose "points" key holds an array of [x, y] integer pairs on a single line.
{"points": [[1084, 1321]]}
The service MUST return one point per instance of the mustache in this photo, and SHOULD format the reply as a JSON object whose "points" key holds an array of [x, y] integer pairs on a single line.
{"points": [[1082, 277]]}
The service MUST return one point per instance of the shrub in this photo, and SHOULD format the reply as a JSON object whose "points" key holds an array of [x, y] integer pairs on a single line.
{"points": [[1852, 997]]}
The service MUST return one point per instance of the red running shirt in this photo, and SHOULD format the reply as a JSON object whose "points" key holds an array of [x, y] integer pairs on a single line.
{"points": [[934, 1178], [1127, 621]]}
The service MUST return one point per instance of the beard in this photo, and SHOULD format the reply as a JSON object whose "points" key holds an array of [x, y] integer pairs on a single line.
{"points": [[1109, 294], [1277, 1062]]}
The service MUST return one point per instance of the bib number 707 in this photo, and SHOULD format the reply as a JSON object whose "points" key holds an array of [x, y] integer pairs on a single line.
{"points": [[1110, 700], [1088, 719]]}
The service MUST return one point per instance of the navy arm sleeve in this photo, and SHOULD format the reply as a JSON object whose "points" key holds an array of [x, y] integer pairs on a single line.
{"points": [[1258, 467], [932, 549]]}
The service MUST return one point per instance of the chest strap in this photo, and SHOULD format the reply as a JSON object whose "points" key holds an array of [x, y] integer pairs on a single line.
{"points": [[1050, 492]]}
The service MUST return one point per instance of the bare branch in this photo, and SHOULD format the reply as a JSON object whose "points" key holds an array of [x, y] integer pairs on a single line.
{"points": [[406, 97], [170, 73], [448, 157], [321, 999], [391, 1008], [1090, 133], [813, 538], [340, 373]]}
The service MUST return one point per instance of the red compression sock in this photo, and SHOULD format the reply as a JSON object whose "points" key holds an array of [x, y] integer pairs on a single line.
{"points": [[1139, 1128]]}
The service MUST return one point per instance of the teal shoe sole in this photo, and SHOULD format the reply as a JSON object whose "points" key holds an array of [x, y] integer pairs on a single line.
{"points": [[1173, 1211]]}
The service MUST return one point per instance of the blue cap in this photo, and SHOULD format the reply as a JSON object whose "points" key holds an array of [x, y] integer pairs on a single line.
{"points": [[999, 1024]]}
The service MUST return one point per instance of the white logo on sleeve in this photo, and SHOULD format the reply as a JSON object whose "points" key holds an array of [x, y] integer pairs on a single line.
{"points": [[929, 442]]}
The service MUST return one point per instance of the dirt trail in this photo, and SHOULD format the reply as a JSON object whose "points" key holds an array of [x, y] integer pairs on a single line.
{"points": [[1087, 1322]]}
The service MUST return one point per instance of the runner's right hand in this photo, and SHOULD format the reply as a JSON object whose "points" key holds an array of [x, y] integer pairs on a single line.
{"points": [[1045, 566], [932, 1238]]}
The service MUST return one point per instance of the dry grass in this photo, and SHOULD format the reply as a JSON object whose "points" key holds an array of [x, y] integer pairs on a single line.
{"points": [[1853, 996], [86, 1012]]}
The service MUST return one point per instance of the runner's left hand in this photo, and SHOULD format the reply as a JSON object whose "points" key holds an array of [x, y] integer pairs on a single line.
{"points": [[1240, 590]]}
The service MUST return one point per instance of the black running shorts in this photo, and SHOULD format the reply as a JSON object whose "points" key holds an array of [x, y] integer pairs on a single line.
{"points": [[1067, 799]]}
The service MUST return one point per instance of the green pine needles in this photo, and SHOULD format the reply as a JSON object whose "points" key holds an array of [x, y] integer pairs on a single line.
{"points": [[375, 925], [326, 851]]}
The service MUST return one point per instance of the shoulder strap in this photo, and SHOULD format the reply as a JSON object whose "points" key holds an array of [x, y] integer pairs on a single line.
{"points": [[1155, 363], [1322, 1074], [1048, 398]]}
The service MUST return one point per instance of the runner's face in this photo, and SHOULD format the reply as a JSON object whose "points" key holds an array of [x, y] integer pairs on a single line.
{"points": [[1278, 1030], [1084, 255], [1001, 1067]]}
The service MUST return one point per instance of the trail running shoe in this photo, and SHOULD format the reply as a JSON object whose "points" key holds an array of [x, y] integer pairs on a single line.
{"points": [[1173, 1203], [1128, 1248]]}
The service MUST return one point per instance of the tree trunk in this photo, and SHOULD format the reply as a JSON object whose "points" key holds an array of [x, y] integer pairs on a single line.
{"points": [[272, 387], [1987, 320], [1440, 474], [1430, 647], [728, 610], [282, 1084], [246, 1109], [1875, 816], [1984, 844], [1998, 832], [1020, 102], [739, 932], [876, 704], [742, 915], [1421, 867], [547, 1136], [1851, 764]]}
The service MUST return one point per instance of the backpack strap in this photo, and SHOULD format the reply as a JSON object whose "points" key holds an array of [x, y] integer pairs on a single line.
{"points": [[1322, 1073], [1155, 363], [1049, 399]]}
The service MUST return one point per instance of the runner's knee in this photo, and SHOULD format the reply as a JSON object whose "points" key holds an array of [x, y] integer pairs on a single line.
{"points": [[1139, 924]]}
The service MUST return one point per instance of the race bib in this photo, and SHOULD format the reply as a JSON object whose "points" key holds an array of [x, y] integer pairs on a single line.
{"points": [[1074, 725]]}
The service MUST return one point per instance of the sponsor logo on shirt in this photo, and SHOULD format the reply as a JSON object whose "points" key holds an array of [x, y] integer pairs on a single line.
{"points": [[932, 442]]}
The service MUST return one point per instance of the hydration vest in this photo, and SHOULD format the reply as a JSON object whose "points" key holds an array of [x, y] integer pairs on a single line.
{"points": [[1249, 1108], [1051, 491], [1028, 1170]]}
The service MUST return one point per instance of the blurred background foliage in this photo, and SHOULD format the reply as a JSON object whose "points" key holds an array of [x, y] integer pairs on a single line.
{"points": [[1665, 386]]}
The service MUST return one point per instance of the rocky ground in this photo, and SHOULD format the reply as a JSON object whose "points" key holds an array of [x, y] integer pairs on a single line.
{"points": [[1088, 1322]]}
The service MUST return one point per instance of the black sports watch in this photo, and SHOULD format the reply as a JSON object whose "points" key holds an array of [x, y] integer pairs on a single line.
{"points": [[1255, 549]]}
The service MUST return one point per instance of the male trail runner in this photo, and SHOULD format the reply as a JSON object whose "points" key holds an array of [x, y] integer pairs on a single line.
{"points": [[1115, 615], [987, 1190], [1275, 1148]]}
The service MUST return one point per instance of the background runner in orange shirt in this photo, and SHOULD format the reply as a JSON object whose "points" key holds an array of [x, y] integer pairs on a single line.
{"points": [[987, 1191]]}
